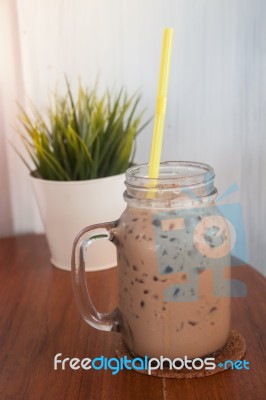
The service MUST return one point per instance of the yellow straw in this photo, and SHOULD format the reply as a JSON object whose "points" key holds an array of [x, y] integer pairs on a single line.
{"points": [[157, 139]]}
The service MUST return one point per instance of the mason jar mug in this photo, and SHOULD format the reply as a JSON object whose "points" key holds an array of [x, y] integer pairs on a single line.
{"points": [[173, 260]]}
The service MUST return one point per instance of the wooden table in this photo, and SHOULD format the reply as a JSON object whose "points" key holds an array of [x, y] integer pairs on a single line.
{"points": [[39, 318]]}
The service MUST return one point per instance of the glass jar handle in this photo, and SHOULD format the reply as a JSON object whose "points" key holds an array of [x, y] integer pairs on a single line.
{"points": [[101, 321]]}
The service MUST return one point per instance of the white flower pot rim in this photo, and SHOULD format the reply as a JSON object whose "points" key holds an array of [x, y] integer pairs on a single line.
{"points": [[84, 182]]}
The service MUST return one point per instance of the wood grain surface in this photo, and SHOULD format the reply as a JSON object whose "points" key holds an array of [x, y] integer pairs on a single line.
{"points": [[39, 318]]}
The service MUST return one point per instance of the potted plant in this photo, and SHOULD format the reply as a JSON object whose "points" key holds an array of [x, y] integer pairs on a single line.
{"points": [[80, 150]]}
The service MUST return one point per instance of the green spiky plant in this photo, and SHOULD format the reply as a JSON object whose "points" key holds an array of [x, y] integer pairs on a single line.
{"points": [[84, 138]]}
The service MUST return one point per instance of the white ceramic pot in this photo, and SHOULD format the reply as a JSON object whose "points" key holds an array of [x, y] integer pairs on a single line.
{"points": [[67, 207]]}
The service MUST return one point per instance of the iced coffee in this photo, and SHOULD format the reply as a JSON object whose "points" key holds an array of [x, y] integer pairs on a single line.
{"points": [[173, 258], [174, 271]]}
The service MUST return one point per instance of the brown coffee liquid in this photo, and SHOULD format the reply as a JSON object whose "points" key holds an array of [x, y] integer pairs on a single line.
{"points": [[152, 325]]}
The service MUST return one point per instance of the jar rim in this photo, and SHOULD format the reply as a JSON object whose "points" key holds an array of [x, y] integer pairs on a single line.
{"points": [[176, 173]]}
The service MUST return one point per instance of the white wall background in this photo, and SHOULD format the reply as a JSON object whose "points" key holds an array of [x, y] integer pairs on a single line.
{"points": [[217, 99]]}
